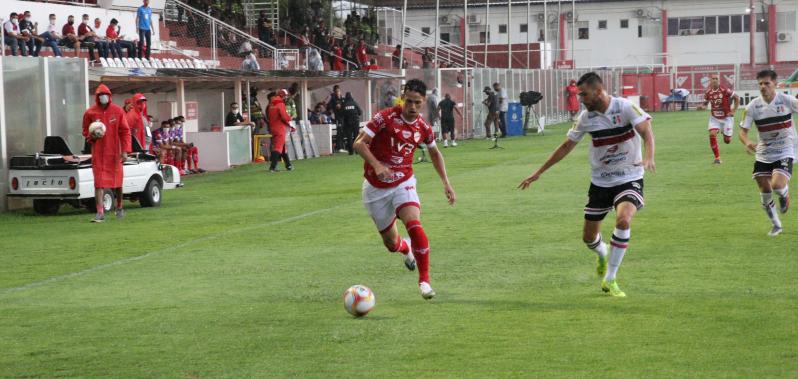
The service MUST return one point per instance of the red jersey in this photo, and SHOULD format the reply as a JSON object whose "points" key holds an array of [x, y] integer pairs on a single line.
{"points": [[394, 141], [720, 100]]}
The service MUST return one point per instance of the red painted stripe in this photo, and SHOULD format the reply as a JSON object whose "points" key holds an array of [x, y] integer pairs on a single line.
{"points": [[408, 204], [614, 140], [781, 125], [619, 245]]}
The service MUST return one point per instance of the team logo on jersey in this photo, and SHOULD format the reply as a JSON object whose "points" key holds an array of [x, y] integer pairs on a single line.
{"points": [[112, 120], [613, 149], [780, 109], [417, 137], [616, 119], [406, 134], [636, 185], [397, 159]]}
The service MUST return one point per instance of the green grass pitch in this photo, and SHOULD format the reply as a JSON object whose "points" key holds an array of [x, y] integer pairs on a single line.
{"points": [[240, 274]]}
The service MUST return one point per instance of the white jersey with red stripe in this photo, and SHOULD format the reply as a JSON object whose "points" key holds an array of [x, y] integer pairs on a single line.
{"points": [[616, 155], [394, 141], [774, 123]]}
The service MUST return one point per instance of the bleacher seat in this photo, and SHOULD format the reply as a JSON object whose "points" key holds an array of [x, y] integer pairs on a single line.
{"points": [[104, 62], [118, 63], [188, 63]]}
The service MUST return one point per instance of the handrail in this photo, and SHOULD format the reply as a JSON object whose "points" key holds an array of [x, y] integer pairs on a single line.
{"points": [[467, 56], [319, 48], [455, 53], [246, 36]]}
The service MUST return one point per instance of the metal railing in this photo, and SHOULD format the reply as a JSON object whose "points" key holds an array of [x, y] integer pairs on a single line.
{"points": [[455, 55], [349, 64], [219, 37], [252, 9]]}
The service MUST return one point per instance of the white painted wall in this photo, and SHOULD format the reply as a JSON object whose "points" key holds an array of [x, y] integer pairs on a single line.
{"points": [[40, 12], [615, 46]]}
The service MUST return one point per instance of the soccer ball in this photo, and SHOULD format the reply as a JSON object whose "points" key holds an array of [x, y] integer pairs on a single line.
{"points": [[359, 300], [97, 129]]}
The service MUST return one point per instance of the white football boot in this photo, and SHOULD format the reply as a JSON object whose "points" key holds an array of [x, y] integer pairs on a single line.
{"points": [[426, 290], [410, 260]]}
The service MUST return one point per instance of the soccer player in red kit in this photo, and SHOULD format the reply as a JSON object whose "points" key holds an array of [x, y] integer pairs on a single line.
{"points": [[722, 113], [387, 145]]}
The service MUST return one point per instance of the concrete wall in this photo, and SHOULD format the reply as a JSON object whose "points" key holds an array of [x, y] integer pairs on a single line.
{"points": [[212, 105], [614, 46]]}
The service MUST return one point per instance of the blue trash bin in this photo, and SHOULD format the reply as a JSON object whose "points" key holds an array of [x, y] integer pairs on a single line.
{"points": [[515, 119]]}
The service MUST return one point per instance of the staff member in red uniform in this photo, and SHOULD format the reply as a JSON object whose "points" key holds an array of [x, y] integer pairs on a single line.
{"points": [[573, 99], [135, 118], [109, 151], [278, 124]]}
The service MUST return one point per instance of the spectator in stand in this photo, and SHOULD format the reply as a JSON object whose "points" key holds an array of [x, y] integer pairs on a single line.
{"points": [[265, 32], [87, 35], [315, 63], [426, 59], [120, 38], [362, 54], [337, 59], [143, 28], [349, 52], [283, 62], [29, 31], [112, 38], [397, 53], [250, 62], [71, 39], [12, 36], [103, 42], [51, 37], [372, 65]]}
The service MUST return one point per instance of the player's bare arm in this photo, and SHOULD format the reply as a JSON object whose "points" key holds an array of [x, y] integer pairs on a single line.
{"points": [[562, 151], [735, 104], [437, 161], [647, 134], [361, 146], [750, 146]]}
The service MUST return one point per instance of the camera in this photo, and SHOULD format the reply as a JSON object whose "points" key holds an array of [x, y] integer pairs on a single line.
{"points": [[530, 98]]}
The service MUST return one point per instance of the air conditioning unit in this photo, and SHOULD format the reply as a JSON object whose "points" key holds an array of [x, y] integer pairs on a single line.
{"points": [[444, 20], [569, 16], [541, 17], [473, 19], [783, 37], [640, 12]]}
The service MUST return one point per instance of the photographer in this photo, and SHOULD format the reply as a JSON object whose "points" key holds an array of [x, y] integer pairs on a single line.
{"points": [[492, 103]]}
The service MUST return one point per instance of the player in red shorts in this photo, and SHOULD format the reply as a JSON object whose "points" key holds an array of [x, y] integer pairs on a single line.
{"points": [[387, 144], [722, 113]]}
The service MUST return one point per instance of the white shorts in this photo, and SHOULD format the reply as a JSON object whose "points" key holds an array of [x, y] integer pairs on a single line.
{"points": [[727, 125], [383, 204]]}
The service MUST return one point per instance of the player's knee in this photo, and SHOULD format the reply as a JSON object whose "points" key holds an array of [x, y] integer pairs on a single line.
{"points": [[588, 237], [623, 222]]}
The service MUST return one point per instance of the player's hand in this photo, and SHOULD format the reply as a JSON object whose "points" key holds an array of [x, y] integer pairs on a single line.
{"points": [[528, 180], [700, 107], [449, 191], [123, 156], [649, 165], [750, 147], [383, 173]]}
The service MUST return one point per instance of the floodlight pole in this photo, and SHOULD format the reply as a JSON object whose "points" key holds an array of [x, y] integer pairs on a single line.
{"points": [[528, 26], [402, 38], [573, 32], [437, 32], [487, 32], [509, 42]]}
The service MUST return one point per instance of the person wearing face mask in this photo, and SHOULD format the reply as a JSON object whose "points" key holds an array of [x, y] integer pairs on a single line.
{"points": [[109, 151], [234, 117], [27, 29], [51, 37], [278, 123], [103, 44], [89, 37], [136, 118], [12, 36], [71, 39], [112, 37]]}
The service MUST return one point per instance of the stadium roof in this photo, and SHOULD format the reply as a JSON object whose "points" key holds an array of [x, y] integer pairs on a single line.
{"points": [[477, 3], [164, 79]]}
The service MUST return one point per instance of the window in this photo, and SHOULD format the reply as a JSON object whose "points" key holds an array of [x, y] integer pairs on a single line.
{"points": [[584, 33], [697, 25], [761, 23], [625, 23], [425, 30], [736, 24], [746, 23], [523, 28], [710, 25], [502, 28], [684, 26], [483, 37], [445, 37], [785, 21], [723, 24], [639, 31], [602, 24], [673, 26]]}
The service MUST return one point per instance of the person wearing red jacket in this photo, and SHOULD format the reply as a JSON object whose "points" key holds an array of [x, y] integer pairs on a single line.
{"points": [[338, 58], [362, 54], [135, 118], [279, 122], [109, 151]]}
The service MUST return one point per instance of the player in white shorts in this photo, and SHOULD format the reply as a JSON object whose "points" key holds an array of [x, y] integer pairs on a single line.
{"points": [[616, 128], [721, 117], [772, 114], [387, 145]]}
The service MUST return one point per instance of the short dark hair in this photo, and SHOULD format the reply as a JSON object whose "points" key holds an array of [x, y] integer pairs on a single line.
{"points": [[181, 118], [164, 123], [767, 74], [13, 14], [496, 84], [114, 21], [591, 79], [416, 85], [85, 15], [233, 103], [52, 14]]}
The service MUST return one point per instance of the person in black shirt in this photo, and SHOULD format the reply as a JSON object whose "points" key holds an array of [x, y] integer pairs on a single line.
{"points": [[447, 107], [234, 117], [351, 119], [335, 107], [492, 103]]}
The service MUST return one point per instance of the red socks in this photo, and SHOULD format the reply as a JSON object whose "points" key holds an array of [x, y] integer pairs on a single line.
{"points": [[420, 249], [713, 143], [400, 246], [193, 155]]}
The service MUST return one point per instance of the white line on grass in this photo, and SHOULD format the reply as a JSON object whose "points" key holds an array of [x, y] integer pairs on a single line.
{"points": [[59, 278]]}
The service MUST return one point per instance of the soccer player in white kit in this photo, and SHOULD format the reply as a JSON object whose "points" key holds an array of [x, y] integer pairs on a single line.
{"points": [[772, 114], [616, 127], [722, 114], [387, 145]]}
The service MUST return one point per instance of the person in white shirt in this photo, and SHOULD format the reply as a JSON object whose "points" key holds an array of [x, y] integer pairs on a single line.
{"points": [[772, 114], [616, 127], [51, 36], [12, 36], [504, 101]]}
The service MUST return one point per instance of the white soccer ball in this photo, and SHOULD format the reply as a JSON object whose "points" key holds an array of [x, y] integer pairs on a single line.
{"points": [[97, 129], [359, 300]]}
